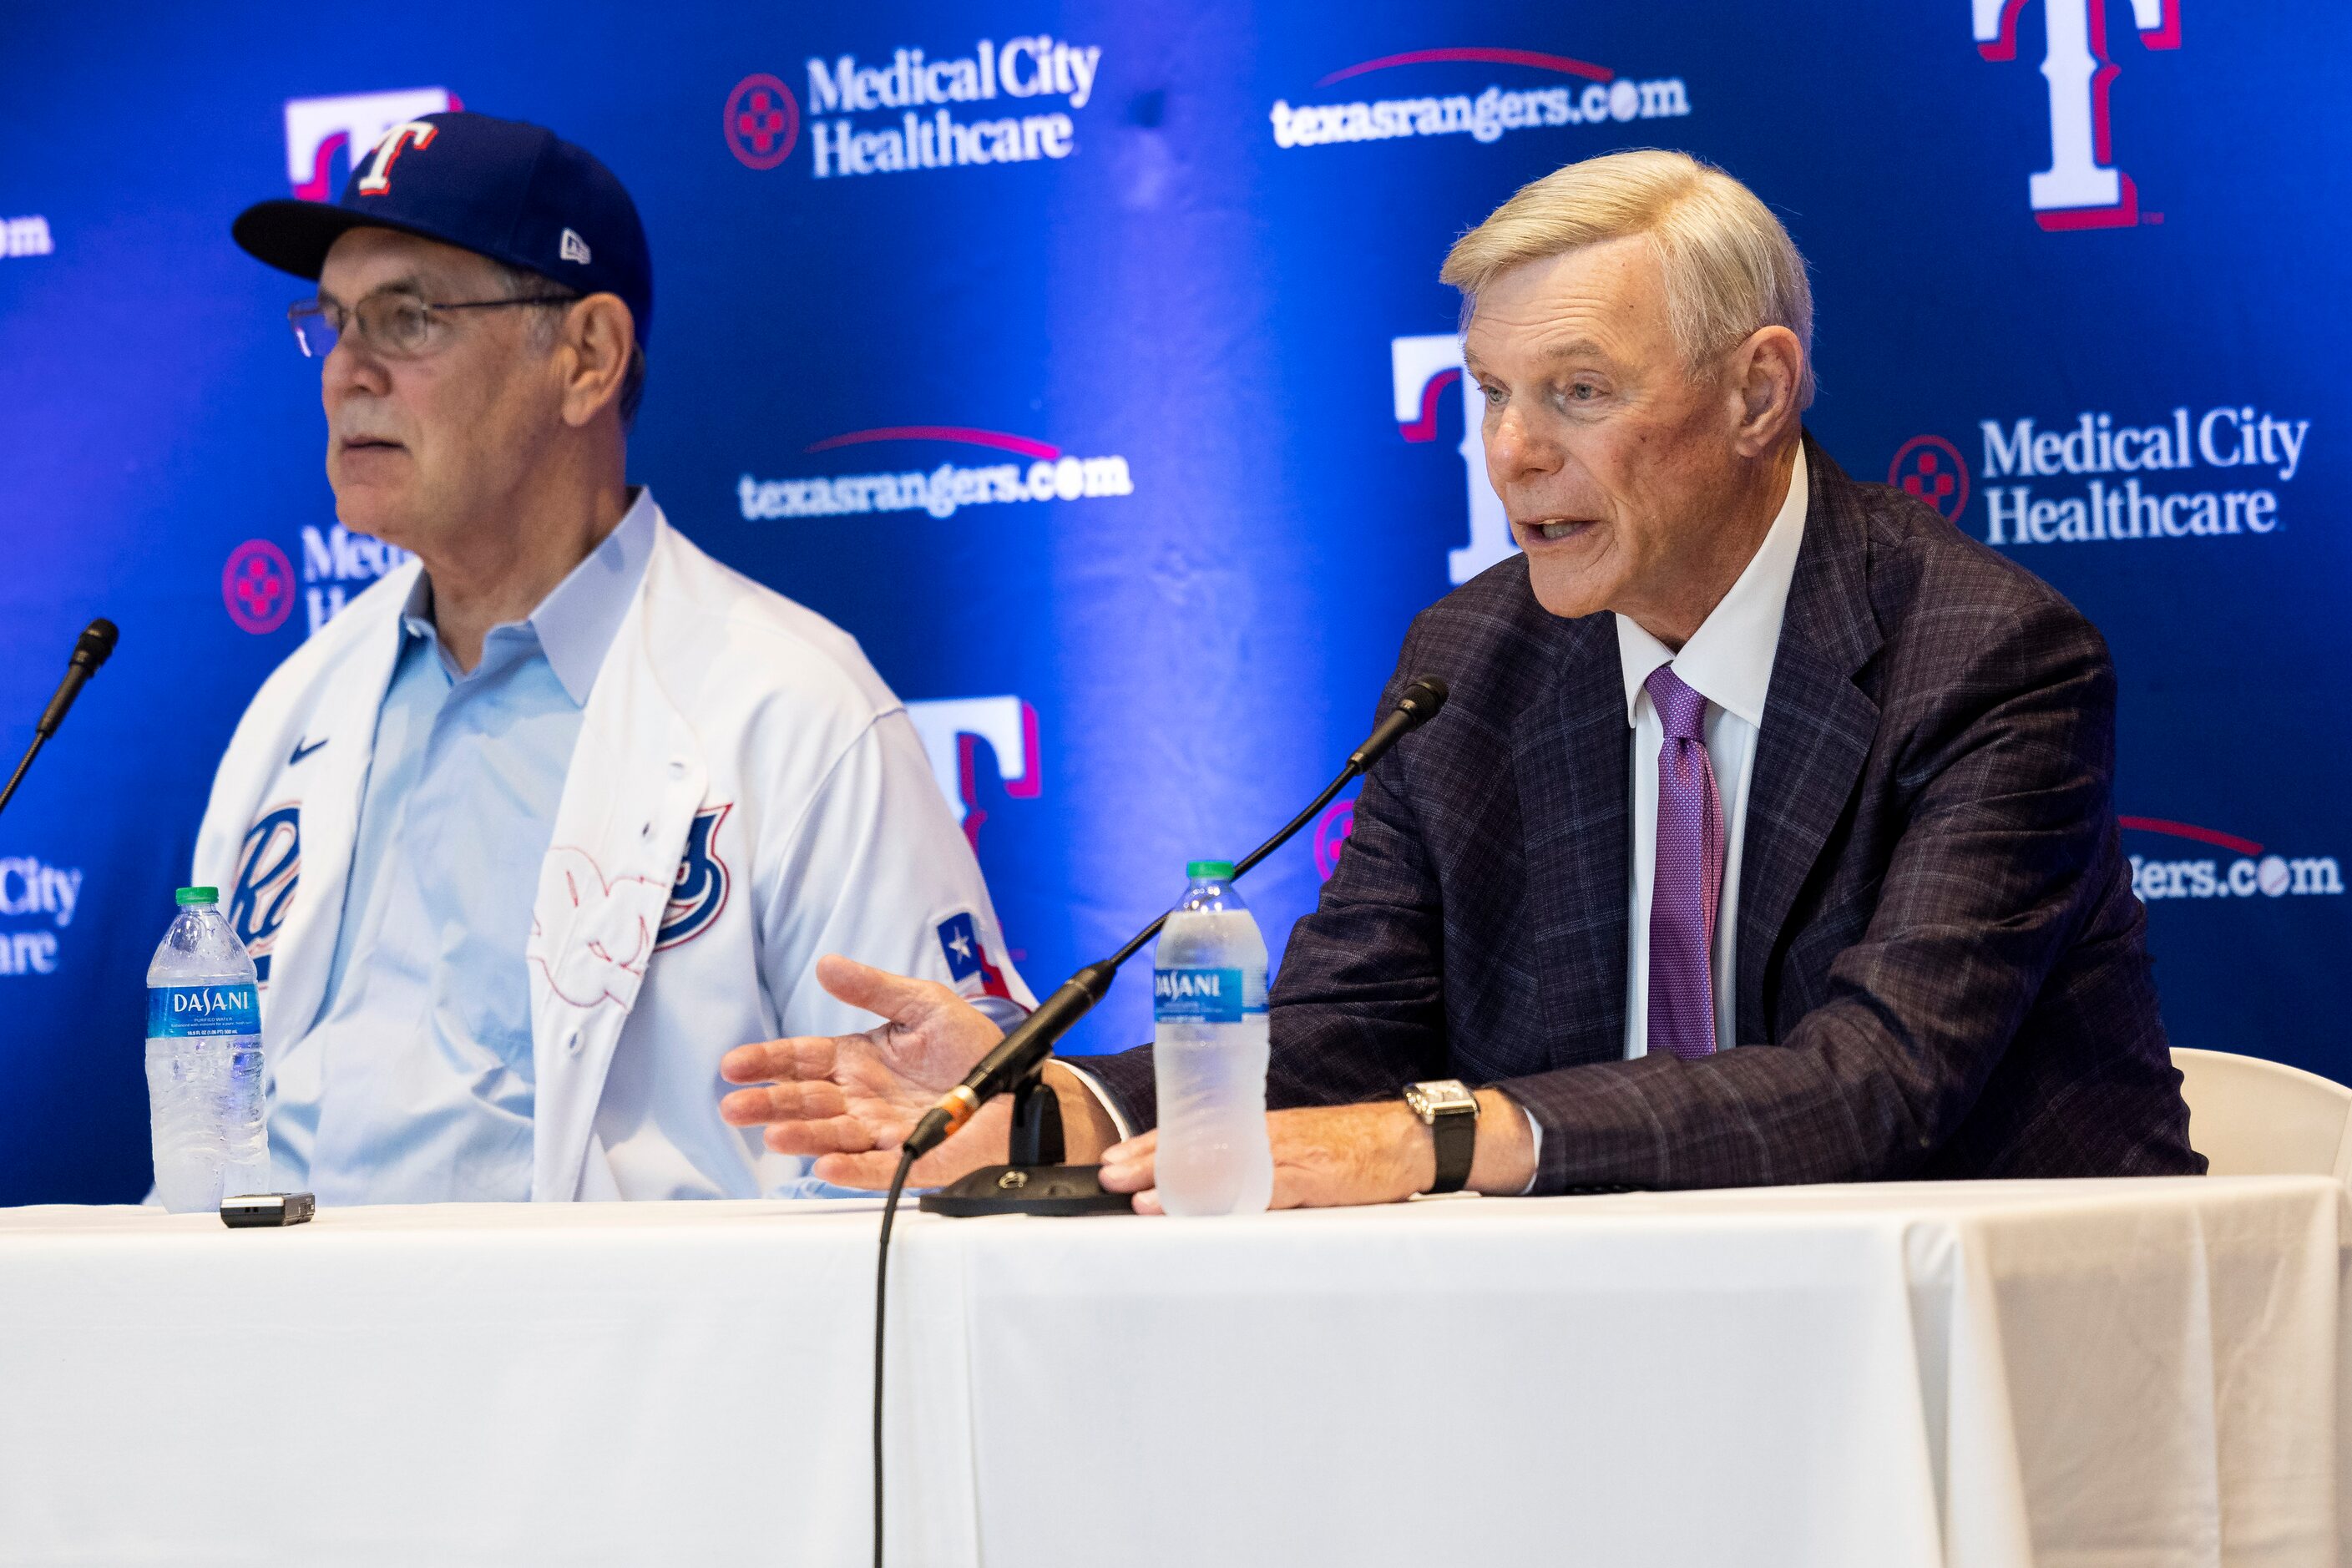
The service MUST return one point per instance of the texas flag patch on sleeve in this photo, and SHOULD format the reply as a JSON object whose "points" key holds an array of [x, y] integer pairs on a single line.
{"points": [[969, 970]]}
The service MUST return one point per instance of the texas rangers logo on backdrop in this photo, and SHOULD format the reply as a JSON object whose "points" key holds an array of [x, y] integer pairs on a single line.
{"points": [[353, 124], [2082, 188], [969, 970], [2251, 872], [1051, 474], [700, 893], [952, 729], [1420, 369], [1541, 103], [269, 869]]}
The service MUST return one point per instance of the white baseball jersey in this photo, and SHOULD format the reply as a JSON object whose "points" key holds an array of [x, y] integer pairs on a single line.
{"points": [[745, 796]]}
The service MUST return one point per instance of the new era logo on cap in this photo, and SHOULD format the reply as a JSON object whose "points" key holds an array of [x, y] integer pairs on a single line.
{"points": [[574, 248]]}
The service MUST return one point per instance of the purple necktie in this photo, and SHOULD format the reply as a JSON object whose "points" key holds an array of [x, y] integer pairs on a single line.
{"points": [[1689, 875]]}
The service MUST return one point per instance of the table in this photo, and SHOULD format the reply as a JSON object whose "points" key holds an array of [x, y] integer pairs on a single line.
{"points": [[1987, 1374]]}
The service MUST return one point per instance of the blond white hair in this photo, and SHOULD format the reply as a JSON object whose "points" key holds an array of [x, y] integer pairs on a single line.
{"points": [[1730, 268]]}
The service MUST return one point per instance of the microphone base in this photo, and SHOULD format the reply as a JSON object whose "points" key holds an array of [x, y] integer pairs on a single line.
{"points": [[1047, 1190]]}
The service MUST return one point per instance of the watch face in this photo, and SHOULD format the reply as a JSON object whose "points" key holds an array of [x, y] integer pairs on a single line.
{"points": [[1440, 1094]]}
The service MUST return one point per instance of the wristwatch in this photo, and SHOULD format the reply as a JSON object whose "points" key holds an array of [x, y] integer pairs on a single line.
{"points": [[1451, 1113]]}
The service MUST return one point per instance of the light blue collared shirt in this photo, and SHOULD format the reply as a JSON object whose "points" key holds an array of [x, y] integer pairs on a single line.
{"points": [[424, 1091]]}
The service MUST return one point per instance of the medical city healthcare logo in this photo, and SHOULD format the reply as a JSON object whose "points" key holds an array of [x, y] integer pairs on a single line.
{"points": [[317, 129], [1604, 99], [259, 587], [1050, 474], [43, 894], [912, 110], [2104, 477], [2082, 188]]}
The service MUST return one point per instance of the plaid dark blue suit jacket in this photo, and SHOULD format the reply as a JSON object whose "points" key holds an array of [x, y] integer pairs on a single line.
{"points": [[1941, 963]]}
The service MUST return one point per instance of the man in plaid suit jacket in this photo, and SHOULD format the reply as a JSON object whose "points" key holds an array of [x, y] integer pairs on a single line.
{"points": [[1854, 769], [1936, 928]]}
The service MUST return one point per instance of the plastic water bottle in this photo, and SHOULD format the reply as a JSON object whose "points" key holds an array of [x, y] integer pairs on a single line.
{"points": [[204, 1061], [1209, 1053]]}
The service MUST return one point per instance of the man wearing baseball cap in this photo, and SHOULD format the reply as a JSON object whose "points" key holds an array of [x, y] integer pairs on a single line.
{"points": [[559, 811]]}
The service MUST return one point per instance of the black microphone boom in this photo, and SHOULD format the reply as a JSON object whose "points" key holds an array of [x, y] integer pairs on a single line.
{"points": [[90, 650], [1037, 1181], [1024, 1050]]}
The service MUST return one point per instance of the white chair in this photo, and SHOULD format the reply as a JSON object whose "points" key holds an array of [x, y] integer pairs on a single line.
{"points": [[2253, 1118]]}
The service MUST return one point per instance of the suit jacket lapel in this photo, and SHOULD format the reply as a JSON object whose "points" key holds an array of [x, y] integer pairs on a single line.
{"points": [[1573, 768], [1818, 726]]}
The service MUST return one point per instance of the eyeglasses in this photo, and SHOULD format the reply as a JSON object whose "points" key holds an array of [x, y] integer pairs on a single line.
{"points": [[396, 325]]}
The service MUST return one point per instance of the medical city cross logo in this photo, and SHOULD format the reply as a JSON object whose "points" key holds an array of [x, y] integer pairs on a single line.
{"points": [[762, 121], [2082, 188], [317, 129], [1932, 468], [258, 586]]}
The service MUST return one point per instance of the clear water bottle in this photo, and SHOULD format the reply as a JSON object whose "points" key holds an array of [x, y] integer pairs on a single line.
{"points": [[204, 1061], [1209, 1052]]}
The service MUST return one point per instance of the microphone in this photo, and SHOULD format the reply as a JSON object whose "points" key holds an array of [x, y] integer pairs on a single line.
{"points": [[1414, 708], [1024, 1050], [94, 647]]}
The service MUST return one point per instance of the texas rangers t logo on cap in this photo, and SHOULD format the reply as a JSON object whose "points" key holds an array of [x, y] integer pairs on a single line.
{"points": [[377, 181]]}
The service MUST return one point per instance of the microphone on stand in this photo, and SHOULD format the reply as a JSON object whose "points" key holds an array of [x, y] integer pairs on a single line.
{"points": [[1023, 1051], [1037, 1181], [92, 650]]}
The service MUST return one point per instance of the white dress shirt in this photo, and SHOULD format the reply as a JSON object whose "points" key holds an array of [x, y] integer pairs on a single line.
{"points": [[1728, 661]]}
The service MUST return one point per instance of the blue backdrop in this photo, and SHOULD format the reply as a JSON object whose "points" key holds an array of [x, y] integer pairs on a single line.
{"points": [[1090, 364]]}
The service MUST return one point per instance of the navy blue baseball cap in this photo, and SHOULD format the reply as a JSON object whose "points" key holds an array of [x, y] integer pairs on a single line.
{"points": [[515, 193]]}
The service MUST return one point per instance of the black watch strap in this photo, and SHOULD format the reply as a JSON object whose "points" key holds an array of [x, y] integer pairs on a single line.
{"points": [[1454, 1132]]}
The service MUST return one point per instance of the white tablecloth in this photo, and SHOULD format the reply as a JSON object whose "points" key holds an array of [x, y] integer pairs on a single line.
{"points": [[1994, 1373]]}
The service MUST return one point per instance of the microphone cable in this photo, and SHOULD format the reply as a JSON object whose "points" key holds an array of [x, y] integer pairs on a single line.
{"points": [[881, 1297]]}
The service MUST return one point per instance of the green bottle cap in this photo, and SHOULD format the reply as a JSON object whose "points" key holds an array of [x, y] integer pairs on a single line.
{"points": [[1209, 870], [199, 896]]}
